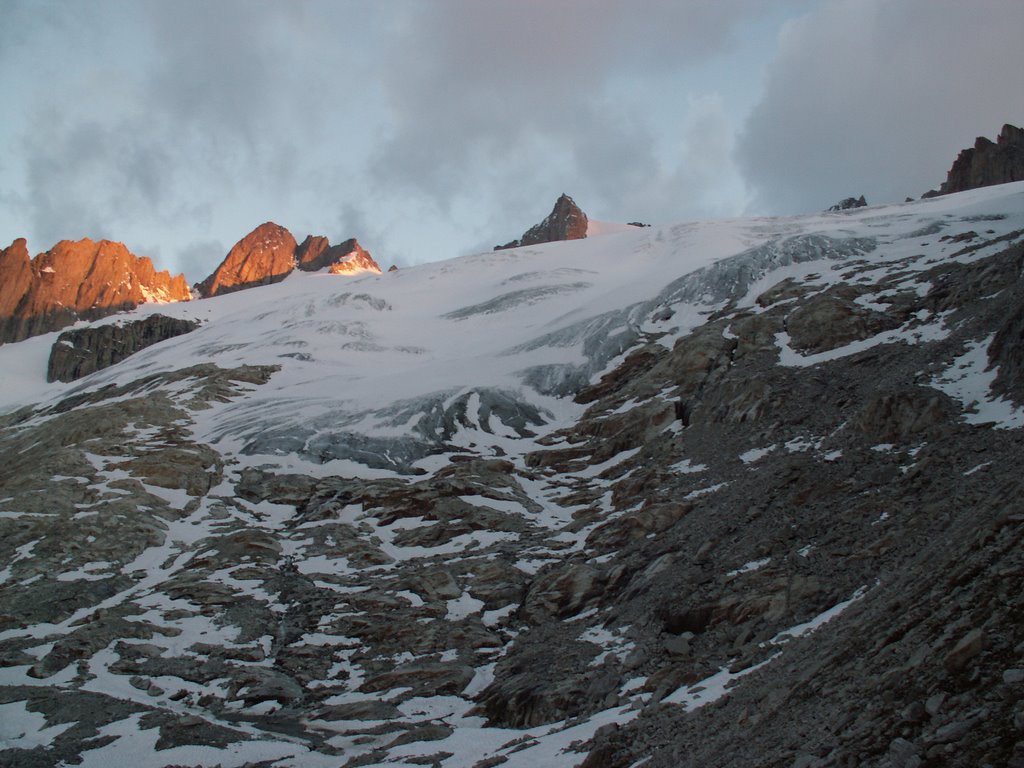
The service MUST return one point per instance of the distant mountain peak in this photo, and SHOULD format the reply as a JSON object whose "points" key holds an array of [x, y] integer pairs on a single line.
{"points": [[270, 253], [567, 221]]}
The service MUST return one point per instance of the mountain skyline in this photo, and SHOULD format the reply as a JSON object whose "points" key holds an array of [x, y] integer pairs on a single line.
{"points": [[435, 131]]}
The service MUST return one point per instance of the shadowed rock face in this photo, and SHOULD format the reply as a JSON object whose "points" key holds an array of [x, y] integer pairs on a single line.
{"points": [[76, 280], [565, 222], [308, 255], [266, 255], [77, 353], [987, 163]]}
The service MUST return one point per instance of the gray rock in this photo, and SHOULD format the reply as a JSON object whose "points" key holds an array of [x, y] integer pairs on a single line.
{"points": [[1013, 676], [968, 647]]}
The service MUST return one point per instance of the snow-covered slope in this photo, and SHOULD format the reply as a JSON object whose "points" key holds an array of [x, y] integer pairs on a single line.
{"points": [[468, 513]]}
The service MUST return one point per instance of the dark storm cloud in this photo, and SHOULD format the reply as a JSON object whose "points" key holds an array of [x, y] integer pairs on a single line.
{"points": [[876, 97]]}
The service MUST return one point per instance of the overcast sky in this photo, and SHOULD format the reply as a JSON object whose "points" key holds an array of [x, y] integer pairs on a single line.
{"points": [[434, 128]]}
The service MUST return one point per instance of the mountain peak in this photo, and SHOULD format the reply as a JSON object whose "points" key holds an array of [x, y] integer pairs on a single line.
{"points": [[269, 253], [351, 258], [347, 257], [567, 221], [83, 279], [266, 255]]}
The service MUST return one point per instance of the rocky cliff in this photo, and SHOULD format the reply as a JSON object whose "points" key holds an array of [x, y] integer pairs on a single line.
{"points": [[987, 163], [565, 222], [76, 280]]}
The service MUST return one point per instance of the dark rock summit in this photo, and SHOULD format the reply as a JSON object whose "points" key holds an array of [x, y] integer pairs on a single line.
{"points": [[986, 163], [849, 203], [76, 280], [82, 351], [565, 222]]}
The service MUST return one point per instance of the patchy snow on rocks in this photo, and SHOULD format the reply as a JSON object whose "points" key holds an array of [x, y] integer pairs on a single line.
{"points": [[608, 501]]}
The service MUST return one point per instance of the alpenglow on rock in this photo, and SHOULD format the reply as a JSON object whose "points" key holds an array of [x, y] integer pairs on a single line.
{"points": [[83, 280], [269, 254], [266, 255], [565, 222]]}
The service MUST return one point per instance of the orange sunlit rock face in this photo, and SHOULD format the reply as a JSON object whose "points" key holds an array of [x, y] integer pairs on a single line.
{"points": [[351, 258], [266, 255], [74, 280]]}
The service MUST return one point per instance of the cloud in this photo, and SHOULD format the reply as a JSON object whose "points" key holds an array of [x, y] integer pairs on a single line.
{"points": [[423, 129], [876, 97], [489, 95]]}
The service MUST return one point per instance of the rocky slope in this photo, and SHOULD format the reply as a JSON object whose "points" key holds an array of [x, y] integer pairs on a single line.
{"points": [[738, 493], [987, 163], [76, 280], [565, 222]]}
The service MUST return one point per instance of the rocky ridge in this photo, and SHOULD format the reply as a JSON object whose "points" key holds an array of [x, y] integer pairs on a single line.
{"points": [[987, 163], [270, 253], [565, 222], [83, 280], [781, 527]]}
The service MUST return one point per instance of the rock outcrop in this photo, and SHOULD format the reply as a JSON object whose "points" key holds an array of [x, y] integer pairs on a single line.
{"points": [[987, 163], [76, 280], [79, 352], [266, 255], [849, 203], [565, 222]]}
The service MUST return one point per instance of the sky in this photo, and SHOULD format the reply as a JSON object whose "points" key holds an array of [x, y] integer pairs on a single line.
{"points": [[430, 129]]}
